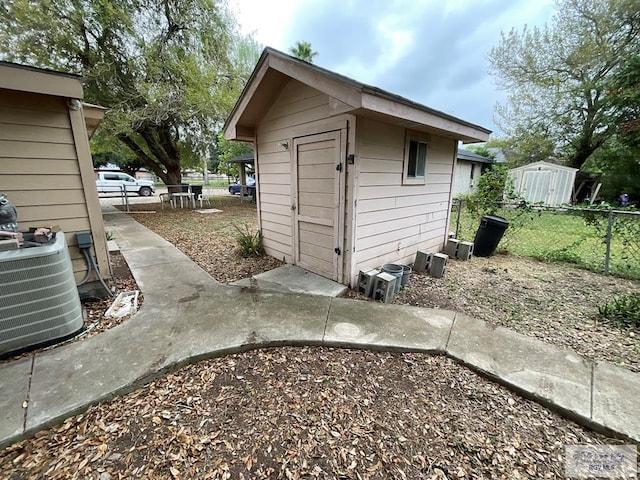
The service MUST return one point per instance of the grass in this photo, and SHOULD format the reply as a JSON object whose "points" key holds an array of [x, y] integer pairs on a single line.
{"points": [[563, 237]]}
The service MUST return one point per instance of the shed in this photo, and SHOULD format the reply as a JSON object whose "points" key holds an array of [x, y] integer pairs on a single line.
{"points": [[544, 182], [469, 167], [349, 176], [45, 163]]}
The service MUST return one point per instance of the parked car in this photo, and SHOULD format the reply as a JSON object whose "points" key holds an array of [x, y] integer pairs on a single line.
{"points": [[235, 187], [113, 182]]}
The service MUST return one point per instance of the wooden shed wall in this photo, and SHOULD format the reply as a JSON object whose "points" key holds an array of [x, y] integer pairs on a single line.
{"points": [[41, 173], [394, 220], [298, 110]]}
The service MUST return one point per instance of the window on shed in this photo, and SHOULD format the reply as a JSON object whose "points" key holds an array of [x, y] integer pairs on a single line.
{"points": [[415, 163]]}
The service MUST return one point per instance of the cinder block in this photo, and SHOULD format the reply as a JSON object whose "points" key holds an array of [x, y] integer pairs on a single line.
{"points": [[366, 282], [423, 260], [438, 264], [451, 248], [385, 287], [465, 251]]}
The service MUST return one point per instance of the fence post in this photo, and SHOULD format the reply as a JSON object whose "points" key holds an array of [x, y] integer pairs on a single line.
{"points": [[608, 254], [125, 197], [458, 217]]}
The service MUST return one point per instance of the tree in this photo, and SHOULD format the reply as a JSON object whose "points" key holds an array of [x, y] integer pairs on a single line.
{"points": [[617, 166], [228, 149], [557, 75], [163, 68], [303, 51], [625, 99]]}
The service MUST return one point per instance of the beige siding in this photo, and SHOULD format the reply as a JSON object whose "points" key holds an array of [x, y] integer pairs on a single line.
{"points": [[39, 168], [395, 220], [297, 108]]}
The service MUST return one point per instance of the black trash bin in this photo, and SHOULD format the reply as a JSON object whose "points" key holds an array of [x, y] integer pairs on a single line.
{"points": [[489, 234]]}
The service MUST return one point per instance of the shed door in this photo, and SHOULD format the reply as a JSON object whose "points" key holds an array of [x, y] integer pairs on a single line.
{"points": [[318, 204], [536, 185]]}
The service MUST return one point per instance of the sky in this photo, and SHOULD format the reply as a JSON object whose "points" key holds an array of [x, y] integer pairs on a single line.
{"points": [[431, 51]]}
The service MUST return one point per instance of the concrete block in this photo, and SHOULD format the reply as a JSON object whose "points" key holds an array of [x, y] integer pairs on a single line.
{"points": [[451, 248], [438, 264], [616, 399], [384, 288], [366, 282], [548, 373], [465, 251], [423, 261]]}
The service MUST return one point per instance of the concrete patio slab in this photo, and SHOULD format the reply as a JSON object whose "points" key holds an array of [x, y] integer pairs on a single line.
{"points": [[14, 379], [293, 279], [357, 323], [549, 374], [616, 399]]}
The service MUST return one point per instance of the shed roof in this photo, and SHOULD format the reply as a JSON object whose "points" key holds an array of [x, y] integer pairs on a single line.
{"points": [[542, 165], [244, 158], [14, 76], [472, 156], [275, 68]]}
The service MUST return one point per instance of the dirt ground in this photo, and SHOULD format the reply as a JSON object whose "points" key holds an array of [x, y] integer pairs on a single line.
{"points": [[328, 413]]}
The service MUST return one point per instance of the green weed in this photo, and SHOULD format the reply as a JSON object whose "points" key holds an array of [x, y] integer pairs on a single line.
{"points": [[623, 310], [249, 243]]}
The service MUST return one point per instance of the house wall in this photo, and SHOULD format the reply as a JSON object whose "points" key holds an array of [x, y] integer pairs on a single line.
{"points": [[392, 220], [298, 110], [45, 170]]}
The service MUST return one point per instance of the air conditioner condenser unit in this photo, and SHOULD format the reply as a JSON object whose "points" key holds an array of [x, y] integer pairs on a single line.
{"points": [[39, 301]]}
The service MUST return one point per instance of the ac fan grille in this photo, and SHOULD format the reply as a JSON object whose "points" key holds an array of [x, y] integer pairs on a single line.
{"points": [[39, 299]]}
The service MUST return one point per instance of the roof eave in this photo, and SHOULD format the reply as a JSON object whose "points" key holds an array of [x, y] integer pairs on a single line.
{"points": [[33, 80], [401, 108], [351, 95]]}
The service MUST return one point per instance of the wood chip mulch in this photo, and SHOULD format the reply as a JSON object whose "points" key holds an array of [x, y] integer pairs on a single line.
{"points": [[312, 412]]}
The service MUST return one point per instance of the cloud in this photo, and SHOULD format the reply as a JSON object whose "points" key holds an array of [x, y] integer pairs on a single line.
{"points": [[430, 51]]}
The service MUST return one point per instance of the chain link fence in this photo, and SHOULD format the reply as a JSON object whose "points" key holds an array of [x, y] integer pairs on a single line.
{"points": [[602, 240]]}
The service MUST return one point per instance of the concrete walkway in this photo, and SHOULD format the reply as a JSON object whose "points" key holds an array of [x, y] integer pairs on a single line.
{"points": [[188, 316]]}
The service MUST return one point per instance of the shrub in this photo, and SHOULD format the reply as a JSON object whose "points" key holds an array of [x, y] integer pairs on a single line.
{"points": [[249, 243], [623, 310]]}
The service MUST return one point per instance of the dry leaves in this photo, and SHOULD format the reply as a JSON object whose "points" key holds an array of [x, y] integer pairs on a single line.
{"points": [[554, 302], [307, 413]]}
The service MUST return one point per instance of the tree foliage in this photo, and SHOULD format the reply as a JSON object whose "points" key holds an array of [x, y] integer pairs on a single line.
{"points": [[303, 51], [228, 149], [625, 99], [557, 76], [165, 69]]}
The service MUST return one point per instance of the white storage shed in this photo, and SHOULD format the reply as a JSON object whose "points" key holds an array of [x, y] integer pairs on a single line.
{"points": [[544, 182]]}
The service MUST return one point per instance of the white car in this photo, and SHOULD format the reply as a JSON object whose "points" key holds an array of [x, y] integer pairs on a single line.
{"points": [[115, 182]]}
